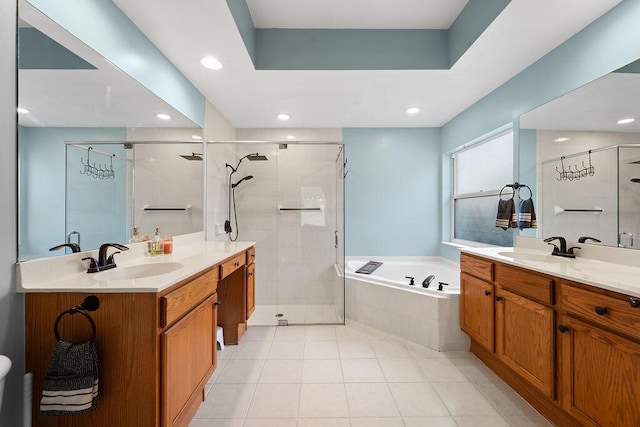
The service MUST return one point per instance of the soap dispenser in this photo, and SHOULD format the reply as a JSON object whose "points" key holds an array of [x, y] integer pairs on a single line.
{"points": [[156, 246], [135, 237]]}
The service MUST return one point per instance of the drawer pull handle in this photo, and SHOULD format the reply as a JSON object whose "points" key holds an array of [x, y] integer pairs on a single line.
{"points": [[218, 303], [250, 274], [236, 264], [487, 293], [601, 311], [563, 328], [634, 302], [498, 298]]}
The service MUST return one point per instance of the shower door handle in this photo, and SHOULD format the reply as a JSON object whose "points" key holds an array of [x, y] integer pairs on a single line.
{"points": [[336, 240]]}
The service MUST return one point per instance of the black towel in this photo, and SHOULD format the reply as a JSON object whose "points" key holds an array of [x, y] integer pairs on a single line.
{"points": [[71, 384], [526, 214], [506, 217]]}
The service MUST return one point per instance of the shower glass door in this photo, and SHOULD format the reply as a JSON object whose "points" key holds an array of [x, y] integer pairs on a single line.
{"points": [[310, 290], [292, 207]]}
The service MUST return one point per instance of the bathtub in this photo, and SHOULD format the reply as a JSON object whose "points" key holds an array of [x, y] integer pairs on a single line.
{"points": [[384, 300]]}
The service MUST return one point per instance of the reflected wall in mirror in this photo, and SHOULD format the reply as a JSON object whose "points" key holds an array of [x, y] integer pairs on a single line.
{"points": [[588, 160], [70, 98]]}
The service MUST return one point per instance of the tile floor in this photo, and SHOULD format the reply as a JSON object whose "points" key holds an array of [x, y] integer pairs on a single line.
{"points": [[353, 376]]}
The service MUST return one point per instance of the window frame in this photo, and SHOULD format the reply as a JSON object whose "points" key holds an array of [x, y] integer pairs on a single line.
{"points": [[488, 193]]}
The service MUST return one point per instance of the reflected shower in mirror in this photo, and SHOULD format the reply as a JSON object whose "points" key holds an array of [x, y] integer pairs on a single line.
{"points": [[588, 153], [71, 98]]}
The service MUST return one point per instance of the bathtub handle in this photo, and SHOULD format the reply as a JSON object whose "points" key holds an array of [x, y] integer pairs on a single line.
{"points": [[411, 282], [487, 293], [441, 284]]}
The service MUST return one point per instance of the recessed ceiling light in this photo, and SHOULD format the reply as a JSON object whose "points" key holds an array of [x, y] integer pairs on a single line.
{"points": [[412, 110], [563, 139], [211, 63], [283, 116], [163, 116], [196, 137], [21, 110], [290, 137], [626, 121]]}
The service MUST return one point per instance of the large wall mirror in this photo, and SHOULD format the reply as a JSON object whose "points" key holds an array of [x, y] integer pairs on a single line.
{"points": [[588, 160], [95, 159]]}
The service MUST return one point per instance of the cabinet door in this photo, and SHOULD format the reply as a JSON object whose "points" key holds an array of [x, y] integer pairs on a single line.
{"points": [[600, 375], [188, 359], [476, 310], [524, 339], [251, 290]]}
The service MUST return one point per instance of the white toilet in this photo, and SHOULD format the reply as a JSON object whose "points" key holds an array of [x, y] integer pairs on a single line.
{"points": [[5, 365]]}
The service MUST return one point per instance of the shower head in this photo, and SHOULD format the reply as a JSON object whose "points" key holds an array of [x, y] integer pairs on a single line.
{"points": [[246, 178], [193, 156], [257, 156]]}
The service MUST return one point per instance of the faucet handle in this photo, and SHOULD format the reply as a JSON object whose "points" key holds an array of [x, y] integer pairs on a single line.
{"points": [[411, 280], [111, 260], [93, 264], [570, 250], [556, 249]]}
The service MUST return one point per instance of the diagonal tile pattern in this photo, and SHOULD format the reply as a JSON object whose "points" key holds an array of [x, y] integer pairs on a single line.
{"points": [[351, 376]]}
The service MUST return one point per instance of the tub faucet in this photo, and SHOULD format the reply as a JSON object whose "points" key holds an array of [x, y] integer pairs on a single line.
{"points": [[426, 282], [104, 262], [441, 284], [411, 282]]}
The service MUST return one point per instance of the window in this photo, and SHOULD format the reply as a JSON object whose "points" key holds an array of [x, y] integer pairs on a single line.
{"points": [[479, 173]]}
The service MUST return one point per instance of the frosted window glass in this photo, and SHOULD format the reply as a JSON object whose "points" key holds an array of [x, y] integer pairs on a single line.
{"points": [[487, 166], [475, 220]]}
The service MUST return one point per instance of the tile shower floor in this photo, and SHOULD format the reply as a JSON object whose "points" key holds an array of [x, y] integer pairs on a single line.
{"points": [[352, 376]]}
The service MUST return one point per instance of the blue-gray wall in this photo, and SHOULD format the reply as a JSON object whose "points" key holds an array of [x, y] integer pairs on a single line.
{"points": [[392, 191], [607, 44], [11, 303]]}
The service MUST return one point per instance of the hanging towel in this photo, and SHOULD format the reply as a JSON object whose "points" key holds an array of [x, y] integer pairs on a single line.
{"points": [[71, 383], [506, 217], [526, 214]]}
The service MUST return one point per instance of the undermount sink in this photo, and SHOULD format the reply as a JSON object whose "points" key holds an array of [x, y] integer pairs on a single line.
{"points": [[139, 271], [530, 256]]}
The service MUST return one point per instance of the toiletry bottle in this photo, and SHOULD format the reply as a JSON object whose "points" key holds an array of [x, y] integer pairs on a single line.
{"points": [[136, 237], [168, 245], [158, 243]]}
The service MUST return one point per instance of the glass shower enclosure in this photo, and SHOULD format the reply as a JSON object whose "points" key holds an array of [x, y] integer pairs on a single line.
{"points": [[292, 207]]}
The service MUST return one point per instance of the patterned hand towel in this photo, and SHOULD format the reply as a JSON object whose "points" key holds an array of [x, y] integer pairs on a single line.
{"points": [[71, 383], [526, 214], [506, 217]]}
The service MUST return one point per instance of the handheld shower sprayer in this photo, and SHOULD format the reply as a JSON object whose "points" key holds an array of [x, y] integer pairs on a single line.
{"points": [[246, 178]]}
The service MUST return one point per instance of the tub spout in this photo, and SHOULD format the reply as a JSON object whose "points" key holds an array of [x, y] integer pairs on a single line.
{"points": [[426, 282]]}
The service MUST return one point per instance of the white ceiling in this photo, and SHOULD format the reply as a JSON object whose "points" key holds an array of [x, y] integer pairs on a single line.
{"points": [[596, 106], [186, 31], [367, 14]]}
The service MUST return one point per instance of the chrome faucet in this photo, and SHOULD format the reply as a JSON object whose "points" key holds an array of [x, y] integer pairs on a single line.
{"points": [[104, 262], [562, 250]]}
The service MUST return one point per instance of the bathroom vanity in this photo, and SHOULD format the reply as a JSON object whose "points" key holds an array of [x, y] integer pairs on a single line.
{"points": [[156, 336], [565, 334]]}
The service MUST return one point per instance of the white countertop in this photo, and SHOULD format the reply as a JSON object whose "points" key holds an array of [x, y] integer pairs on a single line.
{"points": [[68, 273], [608, 275]]}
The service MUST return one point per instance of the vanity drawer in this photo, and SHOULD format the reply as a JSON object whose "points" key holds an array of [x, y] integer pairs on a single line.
{"points": [[232, 265], [251, 255], [176, 303], [524, 283], [616, 313], [480, 268]]}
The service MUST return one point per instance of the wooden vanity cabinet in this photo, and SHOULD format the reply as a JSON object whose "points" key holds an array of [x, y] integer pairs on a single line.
{"points": [[599, 344], [525, 325], [251, 282], [156, 351], [570, 349]]}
